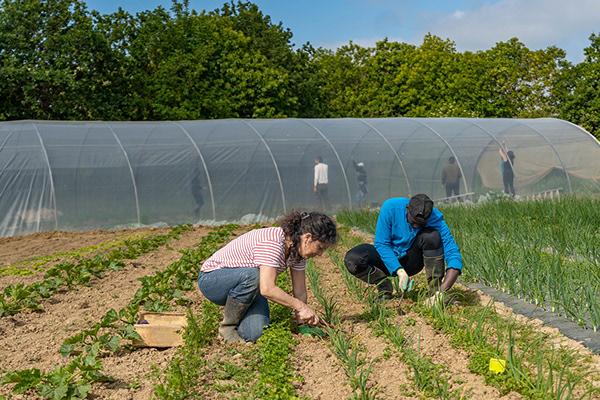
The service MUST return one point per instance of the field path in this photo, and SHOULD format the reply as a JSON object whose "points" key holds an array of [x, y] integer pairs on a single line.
{"points": [[388, 373]]}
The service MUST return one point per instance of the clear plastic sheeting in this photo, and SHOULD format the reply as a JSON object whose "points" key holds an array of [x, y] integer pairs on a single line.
{"points": [[89, 175]]}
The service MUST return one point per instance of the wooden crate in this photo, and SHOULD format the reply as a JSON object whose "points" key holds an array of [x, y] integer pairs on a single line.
{"points": [[161, 330]]}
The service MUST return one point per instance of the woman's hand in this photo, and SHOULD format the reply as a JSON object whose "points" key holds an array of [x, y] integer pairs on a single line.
{"points": [[306, 315]]}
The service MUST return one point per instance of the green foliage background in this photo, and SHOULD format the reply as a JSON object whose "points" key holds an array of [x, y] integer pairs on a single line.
{"points": [[59, 60]]}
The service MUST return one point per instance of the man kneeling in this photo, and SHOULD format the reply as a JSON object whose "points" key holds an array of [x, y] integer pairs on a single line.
{"points": [[411, 235]]}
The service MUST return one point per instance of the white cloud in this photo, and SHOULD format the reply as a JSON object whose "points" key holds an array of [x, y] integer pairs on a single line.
{"points": [[458, 14], [537, 23]]}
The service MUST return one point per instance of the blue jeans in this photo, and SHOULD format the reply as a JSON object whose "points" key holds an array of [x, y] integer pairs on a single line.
{"points": [[243, 285]]}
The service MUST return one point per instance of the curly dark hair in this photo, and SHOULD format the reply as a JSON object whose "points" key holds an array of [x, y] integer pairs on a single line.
{"points": [[320, 226]]}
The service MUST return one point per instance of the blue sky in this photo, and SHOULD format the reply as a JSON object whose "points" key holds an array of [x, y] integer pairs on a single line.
{"points": [[472, 25]]}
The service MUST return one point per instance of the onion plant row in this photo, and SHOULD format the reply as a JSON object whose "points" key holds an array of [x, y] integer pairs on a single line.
{"points": [[545, 252], [66, 275], [115, 329], [429, 377], [534, 369]]}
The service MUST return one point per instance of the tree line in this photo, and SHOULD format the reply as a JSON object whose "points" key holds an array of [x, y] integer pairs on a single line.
{"points": [[59, 60]]}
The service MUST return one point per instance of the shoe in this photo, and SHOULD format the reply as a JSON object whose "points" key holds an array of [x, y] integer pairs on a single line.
{"points": [[232, 315]]}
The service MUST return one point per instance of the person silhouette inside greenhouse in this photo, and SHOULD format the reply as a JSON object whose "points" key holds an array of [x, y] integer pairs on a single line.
{"points": [[242, 275], [506, 166], [321, 182], [196, 187], [411, 235], [361, 178], [451, 177]]}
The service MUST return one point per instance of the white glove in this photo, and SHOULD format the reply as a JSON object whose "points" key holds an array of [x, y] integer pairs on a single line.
{"points": [[403, 280], [437, 298]]}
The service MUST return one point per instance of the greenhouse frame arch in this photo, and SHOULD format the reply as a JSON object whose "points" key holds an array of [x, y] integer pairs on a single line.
{"points": [[64, 175]]}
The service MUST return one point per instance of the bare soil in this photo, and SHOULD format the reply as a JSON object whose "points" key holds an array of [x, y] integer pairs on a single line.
{"points": [[32, 340], [25, 249]]}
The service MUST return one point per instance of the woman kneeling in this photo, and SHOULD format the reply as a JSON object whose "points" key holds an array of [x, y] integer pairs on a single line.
{"points": [[242, 275]]}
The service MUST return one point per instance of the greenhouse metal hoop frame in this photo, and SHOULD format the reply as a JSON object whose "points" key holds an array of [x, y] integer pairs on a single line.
{"points": [[323, 136]]}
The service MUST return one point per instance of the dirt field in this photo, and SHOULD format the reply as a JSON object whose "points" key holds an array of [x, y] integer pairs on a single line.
{"points": [[24, 259], [32, 340]]}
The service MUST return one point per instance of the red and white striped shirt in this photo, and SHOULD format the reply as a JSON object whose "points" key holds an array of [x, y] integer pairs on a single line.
{"points": [[255, 248]]}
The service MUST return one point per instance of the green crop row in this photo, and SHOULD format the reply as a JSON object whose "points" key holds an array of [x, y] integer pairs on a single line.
{"points": [[350, 354], [73, 381], [255, 372], [181, 376], [32, 265], [545, 252], [429, 377], [19, 297], [156, 294], [534, 369]]}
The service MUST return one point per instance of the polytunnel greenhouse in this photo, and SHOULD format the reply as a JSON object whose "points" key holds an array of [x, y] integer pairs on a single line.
{"points": [[88, 175]]}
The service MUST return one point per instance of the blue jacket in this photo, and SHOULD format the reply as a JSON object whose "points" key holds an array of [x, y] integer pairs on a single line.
{"points": [[394, 235]]}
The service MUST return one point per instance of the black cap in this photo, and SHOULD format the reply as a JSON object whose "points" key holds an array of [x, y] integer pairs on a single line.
{"points": [[419, 209]]}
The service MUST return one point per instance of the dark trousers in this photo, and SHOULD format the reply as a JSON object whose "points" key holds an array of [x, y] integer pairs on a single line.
{"points": [[365, 263], [452, 187], [508, 179], [323, 196]]}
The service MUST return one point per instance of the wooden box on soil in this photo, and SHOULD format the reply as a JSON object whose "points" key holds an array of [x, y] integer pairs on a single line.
{"points": [[160, 329]]}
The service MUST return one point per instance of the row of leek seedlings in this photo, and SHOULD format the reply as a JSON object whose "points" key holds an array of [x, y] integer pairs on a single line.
{"points": [[350, 354], [86, 348], [428, 376], [19, 297], [533, 370], [512, 254], [547, 373]]}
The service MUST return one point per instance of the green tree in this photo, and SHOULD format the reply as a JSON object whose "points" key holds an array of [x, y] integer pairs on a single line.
{"points": [[54, 62], [203, 66], [579, 92], [518, 82]]}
